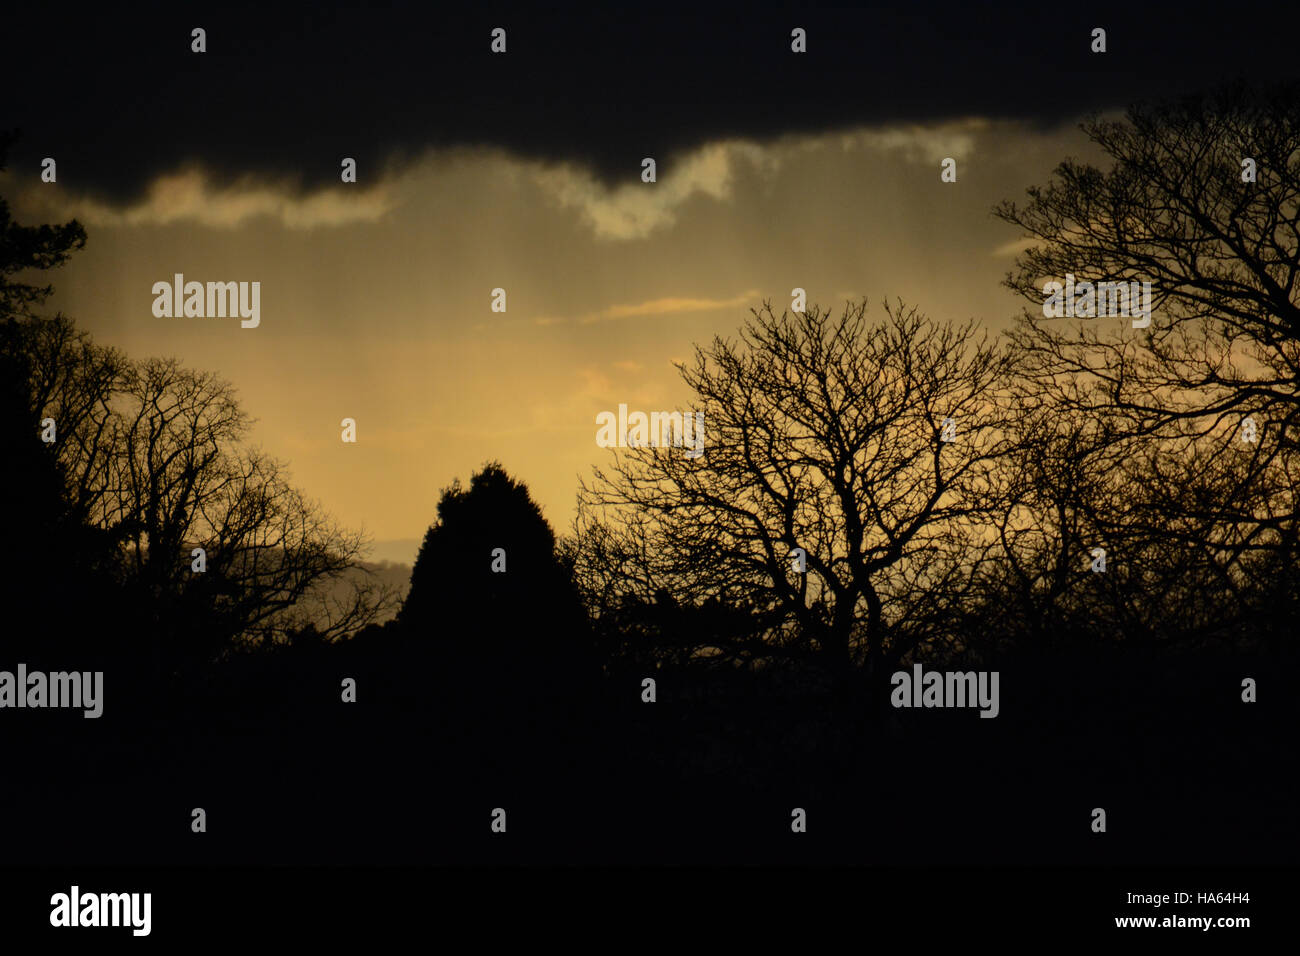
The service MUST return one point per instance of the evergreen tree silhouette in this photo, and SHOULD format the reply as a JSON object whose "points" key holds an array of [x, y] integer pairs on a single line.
{"points": [[489, 597]]}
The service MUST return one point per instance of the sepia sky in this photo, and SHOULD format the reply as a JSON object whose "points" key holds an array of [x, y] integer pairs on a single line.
{"points": [[375, 296]]}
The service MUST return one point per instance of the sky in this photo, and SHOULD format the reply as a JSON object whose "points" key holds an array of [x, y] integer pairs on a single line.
{"points": [[522, 171]]}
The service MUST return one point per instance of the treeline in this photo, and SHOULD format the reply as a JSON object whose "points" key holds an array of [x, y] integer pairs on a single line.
{"points": [[1104, 513]]}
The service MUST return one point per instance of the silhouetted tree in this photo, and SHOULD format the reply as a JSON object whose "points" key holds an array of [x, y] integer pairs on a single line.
{"points": [[48, 554], [22, 248], [521, 618], [1222, 255], [1200, 409], [1076, 496], [824, 434], [641, 625], [148, 464]]}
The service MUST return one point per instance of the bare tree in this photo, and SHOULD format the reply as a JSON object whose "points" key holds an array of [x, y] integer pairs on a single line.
{"points": [[825, 434], [152, 456], [1199, 410], [72, 380], [1222, 255], [1136, 541]]}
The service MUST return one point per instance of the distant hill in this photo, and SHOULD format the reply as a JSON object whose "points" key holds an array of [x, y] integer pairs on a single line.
{"points": [[384, 573], [396, 551]]}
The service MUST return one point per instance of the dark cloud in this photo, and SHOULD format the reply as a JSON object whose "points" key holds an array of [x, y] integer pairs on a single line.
{"points": [[117, 98]]}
